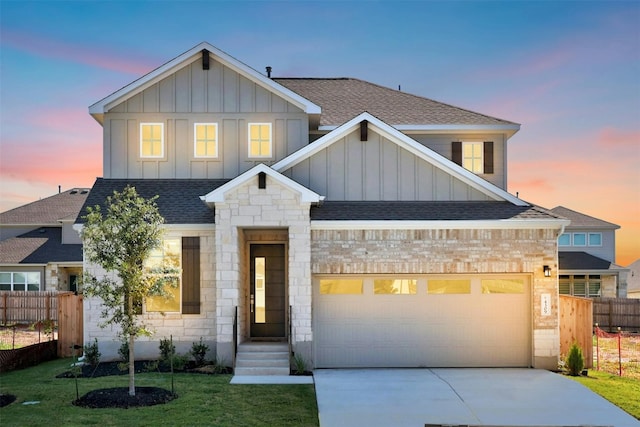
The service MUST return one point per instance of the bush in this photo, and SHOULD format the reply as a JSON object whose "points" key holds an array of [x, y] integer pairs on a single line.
{"points": [[167, 350], [575, 360], [92, 353], [199, 351]]}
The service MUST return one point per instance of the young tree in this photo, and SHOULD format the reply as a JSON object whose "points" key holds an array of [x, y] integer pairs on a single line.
{"points": [[120, 242]]}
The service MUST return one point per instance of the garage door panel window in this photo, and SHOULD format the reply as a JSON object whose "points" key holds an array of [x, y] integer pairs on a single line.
{"points": [[395, 287], [447, 286], [341, 286], [502, 286]]}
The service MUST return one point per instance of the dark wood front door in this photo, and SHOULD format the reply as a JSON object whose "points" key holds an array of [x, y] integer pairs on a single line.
{"points": [[268, 291]]}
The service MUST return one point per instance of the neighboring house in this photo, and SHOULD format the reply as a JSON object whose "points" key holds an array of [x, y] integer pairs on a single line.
{"points": [[366, 226], [633, 280], [39, 250], [587, 254]]}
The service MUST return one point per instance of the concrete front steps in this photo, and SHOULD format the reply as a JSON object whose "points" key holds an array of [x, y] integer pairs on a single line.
{"points": [[262, 358]]}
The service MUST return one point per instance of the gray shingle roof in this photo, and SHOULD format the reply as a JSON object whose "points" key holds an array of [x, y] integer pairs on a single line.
{"points": [[48, 211], [178, 202], [581, 261], [426, 211], [580, 220], [341, 99], [39, 246]]}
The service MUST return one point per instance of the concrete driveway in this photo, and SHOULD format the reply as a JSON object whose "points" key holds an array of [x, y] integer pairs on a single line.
{"points": [[493, 397]]}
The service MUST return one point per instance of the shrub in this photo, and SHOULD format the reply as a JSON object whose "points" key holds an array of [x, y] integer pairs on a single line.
{"points": [[299, 365], [167, 350], [199, 351], [92, 353], [575, 360]]}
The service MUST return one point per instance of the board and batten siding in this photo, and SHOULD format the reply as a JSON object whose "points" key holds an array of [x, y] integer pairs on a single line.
{"points": [[192, 95], [377, 169]]}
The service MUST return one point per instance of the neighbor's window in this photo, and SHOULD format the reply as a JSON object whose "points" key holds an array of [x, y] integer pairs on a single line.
{"points": [[447, 286], [168, 255], [579, 239], [564, 239], [502, 286], [595, 239], [260, 140], [341, 286], [395, 287], [472, 158], [580, 285], [152, 140], [205, 140], [19, 281]]}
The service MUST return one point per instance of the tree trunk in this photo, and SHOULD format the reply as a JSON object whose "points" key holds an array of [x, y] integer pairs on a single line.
{"points": [[132, 362]]}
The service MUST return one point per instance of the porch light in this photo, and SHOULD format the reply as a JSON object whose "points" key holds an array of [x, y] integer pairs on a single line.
{"points": [[547, 271]]}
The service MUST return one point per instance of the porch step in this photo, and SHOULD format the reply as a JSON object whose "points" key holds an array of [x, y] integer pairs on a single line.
{"points": [[262, 359]]}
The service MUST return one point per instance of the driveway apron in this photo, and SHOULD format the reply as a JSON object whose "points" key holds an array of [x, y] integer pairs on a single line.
{"points": [[495, 397]]}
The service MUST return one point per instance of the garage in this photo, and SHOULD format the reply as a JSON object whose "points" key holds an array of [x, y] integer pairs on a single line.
{"points": [[426, 321]]}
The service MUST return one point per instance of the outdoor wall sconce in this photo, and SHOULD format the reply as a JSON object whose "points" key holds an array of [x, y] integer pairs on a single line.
{"points": [[547, 271]]}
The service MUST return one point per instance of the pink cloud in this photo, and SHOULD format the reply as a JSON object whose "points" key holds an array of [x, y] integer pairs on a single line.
{"points": [[610, 137], [88, 55]]}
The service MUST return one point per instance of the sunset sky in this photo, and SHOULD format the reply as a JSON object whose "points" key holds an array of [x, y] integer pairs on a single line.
{"points": [[568, 72]]}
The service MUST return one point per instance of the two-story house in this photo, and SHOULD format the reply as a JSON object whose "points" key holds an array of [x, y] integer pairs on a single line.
{"points": [[587, 254], [365, 226], [39, 250]]}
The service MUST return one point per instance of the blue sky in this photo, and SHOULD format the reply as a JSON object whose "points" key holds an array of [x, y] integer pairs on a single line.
{"points": [[569, 72]]}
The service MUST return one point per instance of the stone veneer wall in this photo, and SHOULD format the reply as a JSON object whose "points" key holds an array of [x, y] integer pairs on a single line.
{"points": [[452, 251], [185, 329], [248, 208]]}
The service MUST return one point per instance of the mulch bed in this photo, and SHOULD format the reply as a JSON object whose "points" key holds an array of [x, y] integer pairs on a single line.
{"points": [[118, 397]]}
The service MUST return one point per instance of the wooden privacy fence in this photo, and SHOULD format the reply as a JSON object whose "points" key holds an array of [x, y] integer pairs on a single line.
{"points": [[613, 313], [28, 306], [70, 331], [576, 320]]}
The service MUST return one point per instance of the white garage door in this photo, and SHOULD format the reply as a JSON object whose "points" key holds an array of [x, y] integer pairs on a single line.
{"points": [[434, 321]]}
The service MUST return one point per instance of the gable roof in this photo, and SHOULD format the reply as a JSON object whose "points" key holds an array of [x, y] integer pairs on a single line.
{"points": [[580, 220], [406, 143], [98, 109], [343, 98], [218, 194], [178, 199], [48, 211], [39, 246]]}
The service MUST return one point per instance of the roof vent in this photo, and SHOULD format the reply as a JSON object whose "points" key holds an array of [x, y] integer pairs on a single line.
{"points": [[85, 191], [205, 59], [268, 71], [74, 192]]}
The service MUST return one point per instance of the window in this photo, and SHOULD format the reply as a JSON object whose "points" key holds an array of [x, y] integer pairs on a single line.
{"points": [[19, 281], [580, 285], [579, 239], [395, 287], [151, 140], [260, 140], [205, 140], [449, 286], [502, 286], [341, 286], [595, 239], [472, 156], [564, 239], [168, 255]]}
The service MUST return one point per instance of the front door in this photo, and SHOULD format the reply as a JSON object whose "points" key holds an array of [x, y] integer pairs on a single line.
{"points": [[268, 287]]}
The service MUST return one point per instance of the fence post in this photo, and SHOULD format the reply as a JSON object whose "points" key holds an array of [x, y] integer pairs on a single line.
{"points": [[4, 311], [619, 353]]}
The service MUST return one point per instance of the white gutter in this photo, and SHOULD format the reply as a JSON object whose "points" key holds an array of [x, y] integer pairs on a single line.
{"points": [[440, 225]]}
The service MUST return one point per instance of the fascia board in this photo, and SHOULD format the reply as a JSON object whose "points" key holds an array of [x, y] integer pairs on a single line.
{"points": [[407, 143], [611, 272], [505, 224], [507, 128], [191, 55], [13, 264], [218, 195]]}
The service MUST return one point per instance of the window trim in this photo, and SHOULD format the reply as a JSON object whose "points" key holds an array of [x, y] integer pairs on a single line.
{"points": [[269, 125], [568, 238], [573, 239], [589, 239], [195, 141], [161, 156]]}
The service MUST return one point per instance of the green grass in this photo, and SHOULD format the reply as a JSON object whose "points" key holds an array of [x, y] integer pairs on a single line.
{"points": [[202, 400], [621, 391]]}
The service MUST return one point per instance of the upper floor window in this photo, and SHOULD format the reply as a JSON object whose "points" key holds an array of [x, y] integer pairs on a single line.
{"points": [[260, 144], [564, 239], [19, 281], [580, 239], [475, 156], [152, 140], [595, 239], [205, 140]]}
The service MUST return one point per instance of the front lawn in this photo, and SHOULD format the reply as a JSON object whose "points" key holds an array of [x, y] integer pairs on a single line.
{"points": [[202, 400], [621, 391]]}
